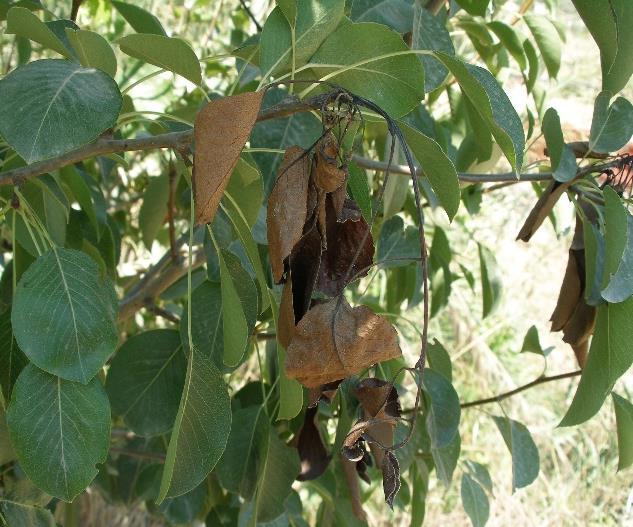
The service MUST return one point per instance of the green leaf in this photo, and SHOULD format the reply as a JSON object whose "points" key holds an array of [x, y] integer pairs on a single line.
{"points": [[397, 14], [397, 246], [610, 356], [60, 430], [239, 466], [548, 41], [525, 457], [142, 21], [200, 431], [145, 381], [620, 282], [610, 31], [429, 32], [490, 283], [480, 473], [171, 54], [289, 9], [624, 423], [88, 194], [21, 514], [358, 187], [436, 166], [612, 125], [395, 194], [533, 66], [395, 83], [64, 315], [475, 501], [562, 157], [316, 19], [12, 360], [49, 119], [474, 7], [245, 187], [442, 420], [532, 343], [509, 38], [93, 50], [446, 458], [482, 90], [6, 450], [23, 23], [439, 359], [154, 208]]}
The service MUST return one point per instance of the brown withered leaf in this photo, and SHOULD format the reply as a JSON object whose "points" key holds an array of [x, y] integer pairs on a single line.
{"points": [[579, 328], [312, 452], [304, 263], [328, 176], [325, 392], [221, 130], [353, 485], [345, 238], [581, 150], [333, 341], [286, 320], [287, 208], [570, 293], [390, 477], [542, 208]]}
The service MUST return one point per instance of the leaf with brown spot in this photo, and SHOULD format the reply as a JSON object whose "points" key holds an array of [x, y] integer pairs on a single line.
{"points": [[328, 175], [362, 338], [221, 130], [390, 477], [312, 453], [287, 208]]}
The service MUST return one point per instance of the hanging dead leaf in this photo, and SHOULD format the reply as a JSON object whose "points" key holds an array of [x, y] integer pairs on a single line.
{"points": [[312, 451], [286, 321], [579, 329], [350, 249], [287, 208], [390, 477], [569, 295], [325, 392], [353, 485], [339, 197], [304, 263], [221, 130], [542, 208], [333, 341], [328, 176]]}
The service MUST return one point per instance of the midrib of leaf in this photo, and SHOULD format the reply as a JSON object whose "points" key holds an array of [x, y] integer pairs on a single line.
{"points": [[604, 125], [72, 311], [469, 489], [250, 443], [253, 521], [48, 109], [61, 432], [138, 398]]}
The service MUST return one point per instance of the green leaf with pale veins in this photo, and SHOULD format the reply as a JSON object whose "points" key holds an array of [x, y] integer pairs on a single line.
{"points": [[475, 501], [525, 457], [64, 315], [93, 50], [171, 54], [429, 32], [49, 119], [612, 124], [439, 359], [60, 430], [200, 431], [397, 14], [395, 83], [624, 424], [142, 21], [26, 515], [145, 381], [12, 360], [548, 41]]}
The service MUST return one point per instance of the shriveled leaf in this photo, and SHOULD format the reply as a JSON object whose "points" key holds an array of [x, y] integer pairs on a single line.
{"points": [[624, 424], [49, 119], [611, 125], [221, 130], [79, 338], [353, 487], [542, 209], [390, 477], [287, 208], [312, 452], [548, 41], [475, 501], [525, 457], [60, 430], [171, 54], [93, 50], [570, 293], [145, 381], [142, 21], [334, 341]]}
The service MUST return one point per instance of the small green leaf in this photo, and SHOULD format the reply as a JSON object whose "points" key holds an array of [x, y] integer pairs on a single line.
{"points": [[612, 125], [60, 430], [562, 157], [490, 283], [624, 423], [49, 119], [525, 457], [533, 66], [93, 51], [12, 360], [201, 429], [23, 23], [142, 21], [532, 343], [22, 514], [84, 190], [145, 381], [474, 7], [548, 41], [82, 334], [395, 83], [439, 359], [171, 54], [444, 411], [509, 37], [620, 282], [154, 208], [446, 458], [395, 194], [475, 501], [397, 246], [359, 189], [480, 473], [245, 187]]}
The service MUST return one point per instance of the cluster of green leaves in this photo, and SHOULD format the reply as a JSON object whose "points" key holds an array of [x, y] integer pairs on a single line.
{"points": [[76, 376]]}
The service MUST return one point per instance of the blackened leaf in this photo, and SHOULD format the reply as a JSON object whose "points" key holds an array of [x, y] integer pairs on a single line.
{"points": [[390, 477], [312, 453], [305, 262]]}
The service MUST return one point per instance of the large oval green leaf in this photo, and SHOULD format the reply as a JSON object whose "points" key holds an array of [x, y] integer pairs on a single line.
{"points": [[60, 430], [49, 118], [475, 501], [12, 360], [145, 381], [93, 50], [64, 315], [202, 427]]}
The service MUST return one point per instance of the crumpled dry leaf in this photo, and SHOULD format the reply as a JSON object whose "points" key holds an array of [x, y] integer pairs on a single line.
{"points": [[570, 293], [286, 320], [390, 477], [304, 263], [542, 208], [333, 341], [345, 238], [287, 208], [221, 130], [312, 451], [351, 477], [328, 176], [325, 392]]}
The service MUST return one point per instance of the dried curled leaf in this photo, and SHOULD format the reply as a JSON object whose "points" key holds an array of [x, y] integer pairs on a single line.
{"points": [[542, 208], [312, 452], [390, 477], [287, 208], [221, 130], [328, 176], [333, 341], [570, 293]]}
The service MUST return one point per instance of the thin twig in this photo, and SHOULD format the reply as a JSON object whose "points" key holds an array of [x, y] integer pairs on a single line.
{"points": [[170, 212], [150, 456], [250, 15], [160, 312]]}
